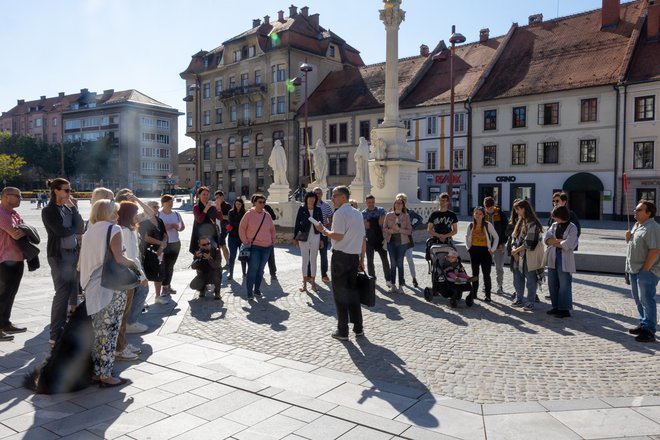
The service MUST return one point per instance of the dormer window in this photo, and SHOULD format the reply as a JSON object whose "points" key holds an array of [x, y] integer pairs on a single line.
{"points": [[331, 51], [206, 62], [237, 56]]}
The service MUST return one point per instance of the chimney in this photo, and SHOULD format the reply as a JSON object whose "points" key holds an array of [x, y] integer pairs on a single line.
{"points": [[304, 11], [610, 14], [83, 91], [653, 21], [484, 35], [60, 95], [536, 18], [20, 101], [266, 19], [43, 97], [424, 50], [280, 16], [109, 92], [314, 21], [293, 11], [256, 22]]}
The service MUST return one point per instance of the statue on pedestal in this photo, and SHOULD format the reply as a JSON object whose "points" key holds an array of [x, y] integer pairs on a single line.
{"points": [[277, 162], [378, 146], [320, 164], [361, 157]]}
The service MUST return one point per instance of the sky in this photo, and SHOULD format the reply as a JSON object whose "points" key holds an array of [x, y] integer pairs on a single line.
{"points": [[67, 45]]}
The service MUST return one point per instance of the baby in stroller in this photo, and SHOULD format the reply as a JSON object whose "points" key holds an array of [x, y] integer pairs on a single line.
{"points": [[448, 275]]}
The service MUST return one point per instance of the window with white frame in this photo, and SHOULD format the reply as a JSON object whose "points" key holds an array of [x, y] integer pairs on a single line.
{"points": [[459, 159], [490, 155], [207, 117], [431, 157], [206, 90], [548, 114], [518, 154], [645, 108], [218, 115], [431, 125], [459, 123], [587, 150], [547, 152], [643, 155], [338, 164]]}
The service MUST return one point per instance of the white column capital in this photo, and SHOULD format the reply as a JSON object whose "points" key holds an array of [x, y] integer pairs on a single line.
{"points": [[392, 16]]}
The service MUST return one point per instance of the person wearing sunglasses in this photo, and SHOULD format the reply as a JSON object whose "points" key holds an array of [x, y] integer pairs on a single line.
{"points": [[257, 230], [11, 259], [64, 226], [207, 262]]}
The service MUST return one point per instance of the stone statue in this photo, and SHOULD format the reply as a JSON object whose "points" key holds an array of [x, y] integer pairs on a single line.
{"points": [[378, 147], [320, 164], [361, 157], [277, 162]]}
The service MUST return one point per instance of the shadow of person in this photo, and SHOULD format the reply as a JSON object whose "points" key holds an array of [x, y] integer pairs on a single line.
{"points": [[392, 382], [207, 309], [264, 312]]}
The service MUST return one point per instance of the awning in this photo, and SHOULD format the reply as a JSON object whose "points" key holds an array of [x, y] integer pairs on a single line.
{"points": [[583, 182]]}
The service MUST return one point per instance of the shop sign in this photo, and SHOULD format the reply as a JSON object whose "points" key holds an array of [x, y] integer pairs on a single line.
{"points": [[505, 179], [444, 178]]}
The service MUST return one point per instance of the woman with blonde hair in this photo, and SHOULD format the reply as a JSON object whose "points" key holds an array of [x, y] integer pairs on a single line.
{"points": [[105, 306], [397, 229], [526, 236]]}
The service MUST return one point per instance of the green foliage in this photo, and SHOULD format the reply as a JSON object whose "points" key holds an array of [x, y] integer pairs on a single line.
{"points": [[10, 166]]}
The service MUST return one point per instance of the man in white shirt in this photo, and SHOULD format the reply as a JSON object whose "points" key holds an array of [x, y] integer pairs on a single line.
{"points": [[349, 246]]}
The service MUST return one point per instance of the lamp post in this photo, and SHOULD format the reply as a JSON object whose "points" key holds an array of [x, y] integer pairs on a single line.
{"points": [[305, 69]]}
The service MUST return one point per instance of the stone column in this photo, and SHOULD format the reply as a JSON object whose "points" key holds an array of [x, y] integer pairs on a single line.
{"points": [[392, 15]]}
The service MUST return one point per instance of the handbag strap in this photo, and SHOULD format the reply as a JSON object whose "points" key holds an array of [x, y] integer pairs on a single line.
{"points": [[262, 222], [107, 243]]}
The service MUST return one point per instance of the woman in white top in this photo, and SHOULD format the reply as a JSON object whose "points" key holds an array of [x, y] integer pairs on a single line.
{"points": [[104, 306], [173, 225]]}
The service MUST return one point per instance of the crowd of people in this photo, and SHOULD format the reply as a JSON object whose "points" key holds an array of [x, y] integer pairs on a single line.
{"points": [[145, 237]]}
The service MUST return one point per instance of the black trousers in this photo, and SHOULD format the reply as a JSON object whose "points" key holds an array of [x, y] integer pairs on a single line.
{"points": [[480, 257], [377, 247], [170, 255], [11, 273], [66, 281], [344, 269]]}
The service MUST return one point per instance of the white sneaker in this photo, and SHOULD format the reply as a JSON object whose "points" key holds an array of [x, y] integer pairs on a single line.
{"points": [[133, 349], [393, 288], [136, 328], [161, 300], [389, 284], [125, 355], [400, 289]]}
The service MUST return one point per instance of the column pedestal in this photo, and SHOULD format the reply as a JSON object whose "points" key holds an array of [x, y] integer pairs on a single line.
{"points": [[278, 193]]}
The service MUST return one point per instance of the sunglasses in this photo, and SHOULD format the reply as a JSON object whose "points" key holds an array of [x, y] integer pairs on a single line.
{"points": [[205, 244], [68, 190], [261, 202], [16, 195], [555, 201]]}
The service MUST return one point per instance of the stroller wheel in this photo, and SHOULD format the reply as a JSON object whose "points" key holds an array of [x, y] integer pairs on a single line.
{"points": [[428, 295], [453, 303], [469, 300]]}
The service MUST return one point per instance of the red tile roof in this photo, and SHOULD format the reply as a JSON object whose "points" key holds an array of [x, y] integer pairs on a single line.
{"points": [[645, 63], [565, 53]]}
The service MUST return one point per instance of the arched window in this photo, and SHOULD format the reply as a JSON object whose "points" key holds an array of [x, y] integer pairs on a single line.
{"points": [[245, 146], [207, 150], [218, 148], [259, 144], [232, 146]]}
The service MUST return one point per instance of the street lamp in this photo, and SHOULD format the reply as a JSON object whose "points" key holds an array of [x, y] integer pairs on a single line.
{"points": [[305, 69], [455, 38]]}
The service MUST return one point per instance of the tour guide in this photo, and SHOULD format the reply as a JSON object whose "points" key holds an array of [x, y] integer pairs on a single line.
{"points": [[349, 245]]}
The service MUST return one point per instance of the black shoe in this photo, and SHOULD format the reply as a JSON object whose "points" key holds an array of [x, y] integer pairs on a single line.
{"points": [[217, 295], [415, 284], [645, 336], [428, 294], [360, 333], [11, 329], [258, 293], [273, 277], [552, 311], [6, 337], [487, 298], [339, 336], [453, 303], [202, 293], [537, 299], [563, 314], [635, 330], [229, 277]]}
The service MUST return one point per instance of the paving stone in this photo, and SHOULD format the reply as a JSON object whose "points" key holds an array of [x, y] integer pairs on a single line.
{"points": [[525, 426], [213, 430], [37, 433], [277, 426], [178, 403], [369, 400], [169, 427], [36, 418], [186, 384], [512, 408], [141, 399], [652, 412], [257, 411], [364, 433], [572, 405], [325, 428], [445, 420], [369, 420], [81, 421], [603, 423], [224, 405], [127, 423], [299, 381], [302, 414]]}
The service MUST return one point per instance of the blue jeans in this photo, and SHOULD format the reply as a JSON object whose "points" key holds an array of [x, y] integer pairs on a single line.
{"points": [[258, 259], [234, 245], [643, 285], [522, 279], [560, 285], [140, 295], [397, 254]]}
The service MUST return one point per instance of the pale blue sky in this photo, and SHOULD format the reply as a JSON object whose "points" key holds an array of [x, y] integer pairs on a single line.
{"points": [[63, 46]]}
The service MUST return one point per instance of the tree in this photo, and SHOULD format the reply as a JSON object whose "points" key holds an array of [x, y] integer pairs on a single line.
{"points": [[10, 166]]}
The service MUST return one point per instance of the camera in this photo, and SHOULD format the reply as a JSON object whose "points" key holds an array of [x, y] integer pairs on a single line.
{"points": [[204, 251]]}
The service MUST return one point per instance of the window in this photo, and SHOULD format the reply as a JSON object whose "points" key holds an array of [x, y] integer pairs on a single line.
{"points": [[207, 117], [277, 105], [258, 109], [218, 148], [365, 129], [549, 114], [646, 194], [232, 180], [277, 73], [519, 117], [459, 122], [232, 82], [218, 179], [259, 144], [237, 55], [645, 108], [245, 146], [257, 76], [431, 159], [338, 164], [232, 147], [218, 87], [245, 182], [207, 178], [490, 155], [338, 133], [260, 180], [246, 112], [160, 123], [278, 136], [232, 113], [206, 90], [37, 122], [518, 154], [189, 119], [459, 159], [332, 134], [252, 50], [643, 155], [207, 150], [343, 133], [331, 51], [54, 138], [244, 81], [588, 150], [588, 110], [406, 124], [431, 125], [490, 119], [54, 124], [547, 152], [218, 115]]}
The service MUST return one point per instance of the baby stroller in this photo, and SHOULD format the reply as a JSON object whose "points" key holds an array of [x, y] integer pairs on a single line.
{"points": [[436, 254]]}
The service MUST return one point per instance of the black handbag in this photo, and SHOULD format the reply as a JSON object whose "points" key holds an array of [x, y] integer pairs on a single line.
{"points": [[114, 275], [302, 236], [366, 286], [246, 249]]}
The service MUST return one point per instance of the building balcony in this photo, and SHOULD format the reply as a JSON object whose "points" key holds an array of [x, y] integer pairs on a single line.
{"points": [[242, 90]]}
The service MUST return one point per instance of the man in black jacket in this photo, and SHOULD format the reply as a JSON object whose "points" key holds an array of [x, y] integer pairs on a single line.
{"points": [[64, 226]]}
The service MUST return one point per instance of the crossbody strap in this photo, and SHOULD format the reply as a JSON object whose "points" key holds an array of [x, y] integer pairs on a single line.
{"points": [[262, 222]]}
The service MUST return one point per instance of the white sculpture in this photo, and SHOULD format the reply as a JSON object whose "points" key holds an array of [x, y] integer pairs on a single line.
{"points": [[378, 146], [361, 157], [277, 161], [320, 164]]}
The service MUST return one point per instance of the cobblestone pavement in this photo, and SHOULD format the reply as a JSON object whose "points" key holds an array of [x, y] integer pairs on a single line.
{"points": [[487, 354]]}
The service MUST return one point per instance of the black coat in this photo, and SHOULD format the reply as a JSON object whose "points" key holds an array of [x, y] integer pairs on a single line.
{"points": [[52, 219], [302, 220]]}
